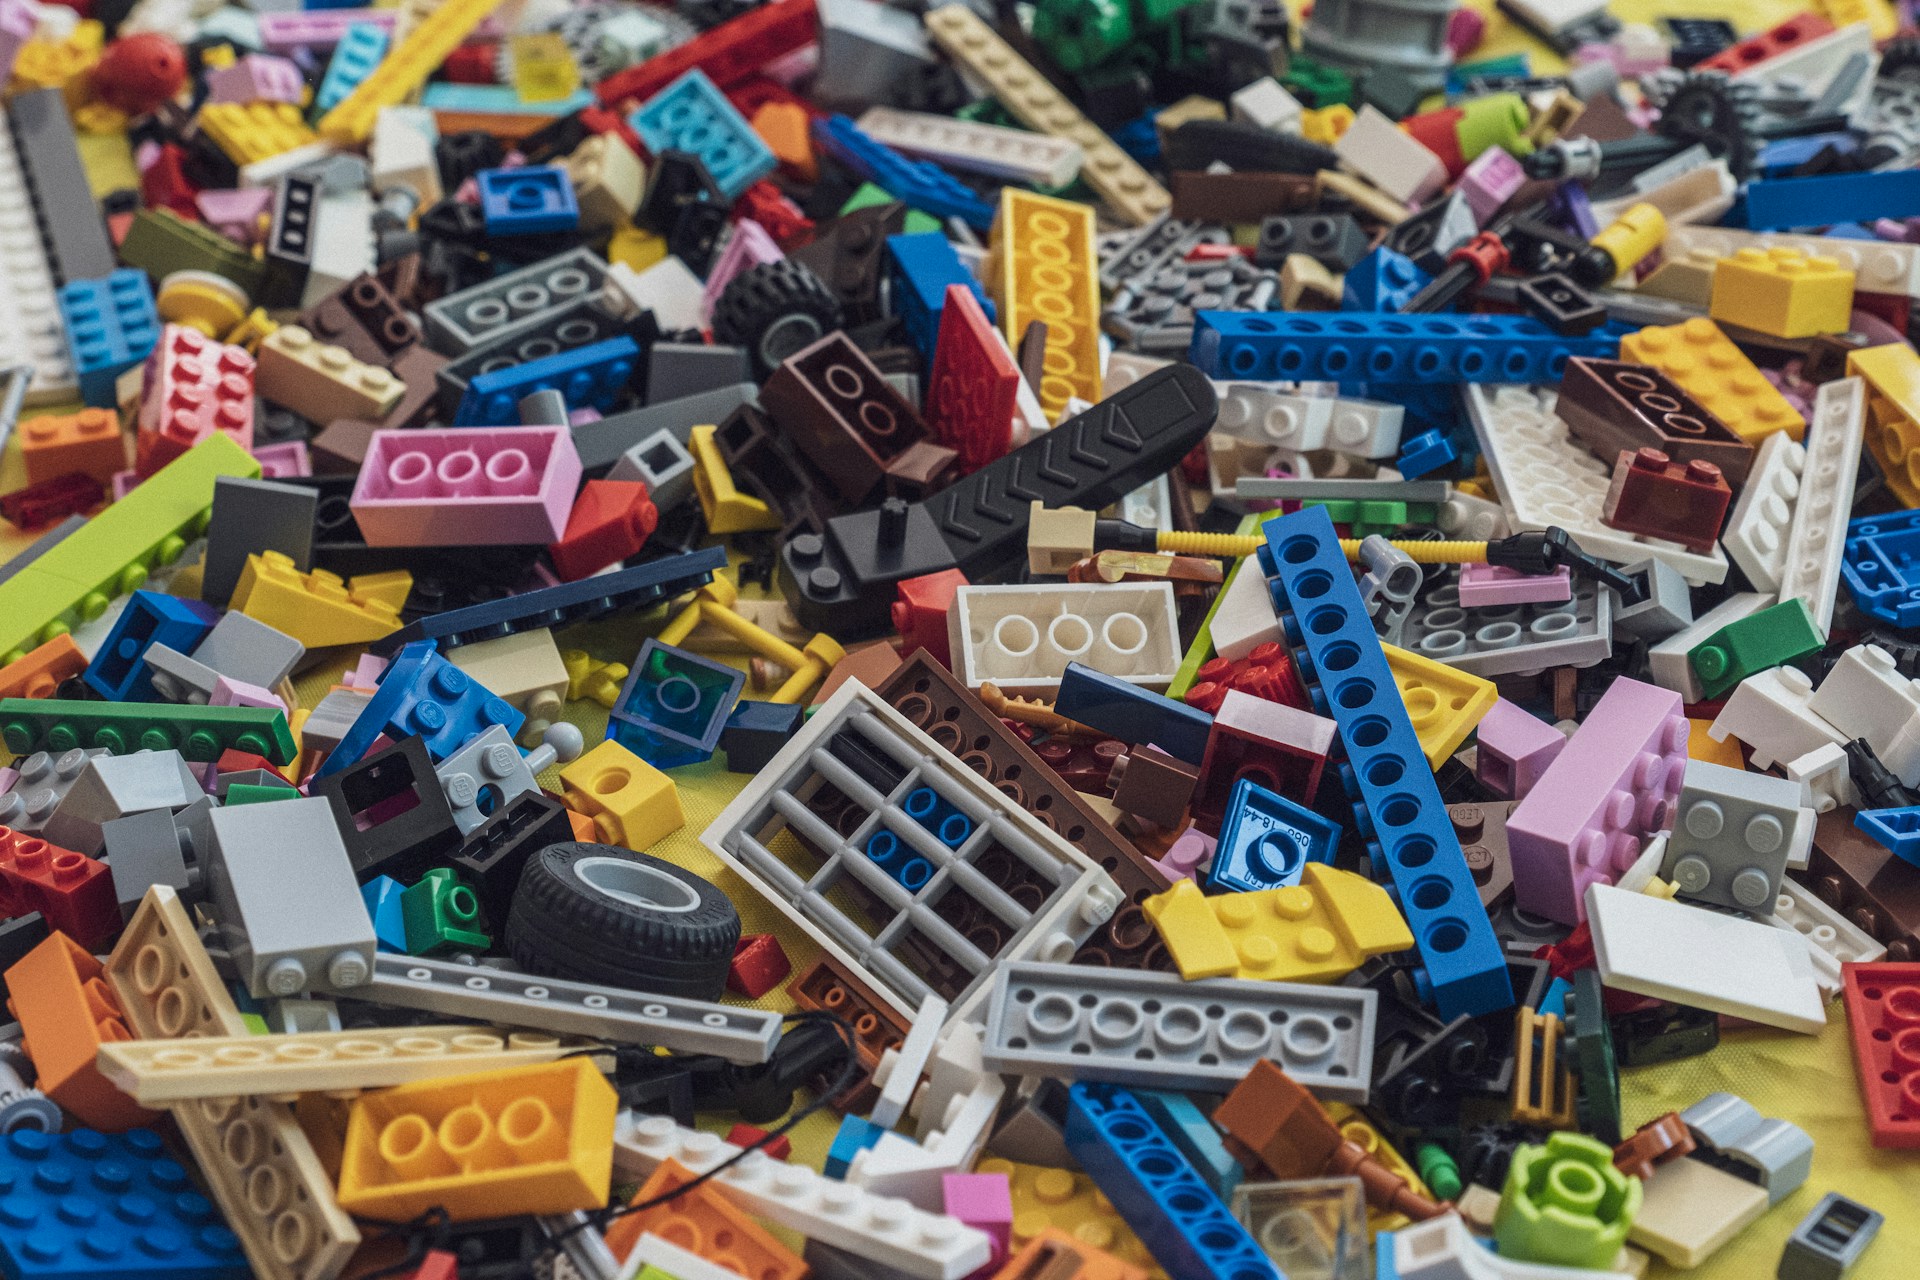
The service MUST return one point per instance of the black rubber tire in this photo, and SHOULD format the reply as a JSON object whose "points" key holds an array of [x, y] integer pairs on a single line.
{"points": [[773, 310], [672, 933]]}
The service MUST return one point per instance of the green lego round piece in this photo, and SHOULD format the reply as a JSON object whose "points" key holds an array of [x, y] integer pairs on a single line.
{"points": [[1496, 120], [1566, 1204]]}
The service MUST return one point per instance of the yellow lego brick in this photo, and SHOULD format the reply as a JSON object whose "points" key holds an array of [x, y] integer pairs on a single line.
{"points": [[1194, 936], [1882, 22], [1701, 746], [1783, 292], [250, 131], [317, 608], [1892, 375], [636, 248], [1033, 100], [1355, 1128], [1444, 705], [1046, 269], [1718, 374], [543, 68], [587, 677], [413, 57], [631, 803], [726, 508], [390, 588], [537, 1138], [1070, 1202], [1316, 931], [1326, 125], [322, 382], [54, 64]]}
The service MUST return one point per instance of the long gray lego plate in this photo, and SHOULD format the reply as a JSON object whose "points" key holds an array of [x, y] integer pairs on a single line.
{"points": [[1159, 1030], [1510, 638]]}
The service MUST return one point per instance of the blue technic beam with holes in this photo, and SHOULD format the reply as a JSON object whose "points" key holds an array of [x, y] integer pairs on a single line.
{"points": [[1396, 802], [1349, 346]]}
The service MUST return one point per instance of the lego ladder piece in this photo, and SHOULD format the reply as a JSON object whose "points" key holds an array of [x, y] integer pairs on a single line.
{"points": [[1397, 802]]}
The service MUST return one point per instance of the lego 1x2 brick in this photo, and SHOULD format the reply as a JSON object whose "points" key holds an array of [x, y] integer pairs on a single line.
{"points": [[1351, 347], [1397, 804]]}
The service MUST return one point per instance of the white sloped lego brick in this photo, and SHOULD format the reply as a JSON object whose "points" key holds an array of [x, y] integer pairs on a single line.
{"points": [[1244, 619], [1865, 696], [1769, 712], [1668, 659]]}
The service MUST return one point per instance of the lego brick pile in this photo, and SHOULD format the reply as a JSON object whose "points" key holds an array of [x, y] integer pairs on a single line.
{"points": [[1084, 641]]}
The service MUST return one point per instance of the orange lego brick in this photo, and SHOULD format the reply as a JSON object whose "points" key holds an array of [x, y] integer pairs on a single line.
{"points": [[1708, 367], [786, 129], [66, 1011], [39, 673], [89, 442], [1055, 1255], [705, 1222]]}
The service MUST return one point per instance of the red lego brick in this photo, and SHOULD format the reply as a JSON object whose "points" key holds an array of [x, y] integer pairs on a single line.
{"points": [[474, 63], [1571, 954], [192, 386], [437, 1265], [1771, 43], [74, 892], [1084, 766], [763, 202], [970, 404], [70, 495], [233, 761], [729, 53], [920, 613], [611, 520], [759, 965], [164, 183], [1652, 495], [1266, 672], [1283, 749], [1883, 1015], [745, 1135]]}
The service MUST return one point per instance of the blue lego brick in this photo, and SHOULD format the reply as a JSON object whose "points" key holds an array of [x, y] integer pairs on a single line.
{"points": [[1382, 281], [1266, 841], [85, 1205], [590, 377], [756, 731], [924, 264], [1897, 829], [530, 200], [1397, 804], [354, 58], [918, 183], [382, 896], [692, 115], [1881, 566], [1812, 202], [1555, 1001], [1779, 158], [498, 99], [1428, 407], [937, 814], [111, 326], [565, 605], [896, 857], [855, 1134], [119, 671], [1189, 1129], [1140, 138], [1424, 454], [423, 695], [1343, 346], [1132, 714], [674, 706], [1180, 1219]]}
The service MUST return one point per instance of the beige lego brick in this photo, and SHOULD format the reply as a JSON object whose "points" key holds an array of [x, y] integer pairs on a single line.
{"points": [[1058, 537], [526, 670], [1691, 1209], [608, 180], [320, 382]]}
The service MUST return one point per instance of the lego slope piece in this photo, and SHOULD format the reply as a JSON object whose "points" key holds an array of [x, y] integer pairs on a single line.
{"points": [[1706, 364], [1883, 1016], [1397, 802], [1047, 271], [1670, 951], [1816, 541]]}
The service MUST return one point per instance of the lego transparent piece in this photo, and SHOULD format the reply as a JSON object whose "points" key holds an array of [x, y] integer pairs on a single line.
{"points": [[1816, 540], [1513, 638], [1312, 1228]]}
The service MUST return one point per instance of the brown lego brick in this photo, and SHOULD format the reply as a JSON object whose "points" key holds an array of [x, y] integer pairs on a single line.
{"points": [[363, 317], [1860, 878], [1148, 783], [1240, 197], [1611, 405], [1654, 1143], [1657, 497], [1482, 831], [828, 987], [851, 421]]}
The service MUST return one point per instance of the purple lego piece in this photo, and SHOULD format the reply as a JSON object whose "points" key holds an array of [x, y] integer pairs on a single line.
{"points": [[280, 460], [1490, 181], [1514, 749], [17, 25], [982, 1200], [1611, 788], [258, 77], [749, 246], [466, 486], [1188, 856], [228, 692], [235, 213], [124, 483], [1490, 586]]}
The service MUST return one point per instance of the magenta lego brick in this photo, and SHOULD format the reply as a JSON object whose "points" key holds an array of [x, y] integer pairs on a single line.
{"points": [[466, 487], [1489, 586], [1513, 748], [1612, 787]]}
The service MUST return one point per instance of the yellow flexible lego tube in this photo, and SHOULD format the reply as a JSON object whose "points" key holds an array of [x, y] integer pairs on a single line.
{"points": [[1234, 544]]}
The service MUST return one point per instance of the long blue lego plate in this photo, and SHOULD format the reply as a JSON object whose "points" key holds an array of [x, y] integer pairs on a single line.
{"points": [[1397, 804], [1351, 346]]}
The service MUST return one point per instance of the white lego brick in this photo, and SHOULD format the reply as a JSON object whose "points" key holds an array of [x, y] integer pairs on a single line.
{"points": [[1021, 638], [34, 334], [1673, 951], [1378, 150], [1865, 696], [1148, 507], [1244, 618], [342, 244], [1878, 266], [1443, 1249], [1824, 779], [1255, 411], [1471, 519], [1769, 712], [898, 1072], [1696, 195], [667, 288], [954, 1070], [1365, 428], [924, 1245], [1124, 368], [1557, 15], [266, 172], [1812, 66], [1011, 155], [1755, 535], [1267, 104], [1668, 659], [401, 153], [1810, 571], [1545, 478], [896, 1166], [670, 1259]]}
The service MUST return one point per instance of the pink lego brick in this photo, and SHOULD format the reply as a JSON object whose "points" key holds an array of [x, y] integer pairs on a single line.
{"points": [[322, 29], [235, 213], [367, 674], [191, 387], [984, 1201], [749, 246], [1610, 789], [1188, 856], [466, 486], [238, 693], [124, 483], [278, 461], [1487, 586], [1490, 181], [258, 77], [1514, 749], [16, 28]]}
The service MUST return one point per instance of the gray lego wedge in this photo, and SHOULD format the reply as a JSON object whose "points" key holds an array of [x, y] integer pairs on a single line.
{"points": [[246, 649], [251, 516], [1733, 1135], [1733, 835], [1667, 609], [510, 303], [116, 787], [1513, 638], [179, 678], [578, 1008], [676, 370], [1161, 1031], [142, 851], [44, 780]]}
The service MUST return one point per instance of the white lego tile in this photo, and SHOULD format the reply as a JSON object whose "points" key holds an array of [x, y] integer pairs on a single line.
{"points": [[1755, 535], [1668, 659], [1672, 951], [342, 244], [1769, 712], [1810, 571]]}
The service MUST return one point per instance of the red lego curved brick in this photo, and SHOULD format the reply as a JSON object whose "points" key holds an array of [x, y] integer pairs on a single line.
{"points": [[611, 520], [920, 608], [1883, 1015], [728, 54]]}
